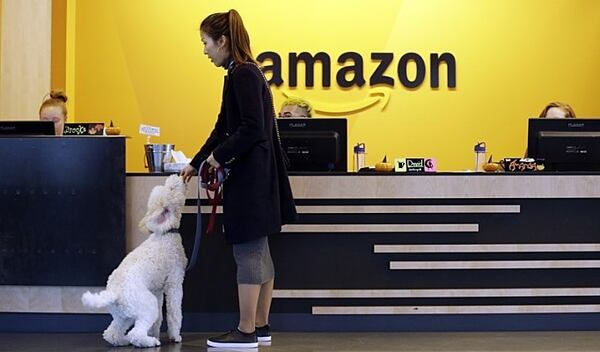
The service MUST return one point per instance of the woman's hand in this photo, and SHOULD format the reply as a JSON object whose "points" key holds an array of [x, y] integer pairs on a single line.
{"points": [[188, 172]]}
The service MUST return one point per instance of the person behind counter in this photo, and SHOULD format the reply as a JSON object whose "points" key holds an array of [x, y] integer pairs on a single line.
{"points": [[295, 107], [557, 110], [257, 197], [54, 109]]}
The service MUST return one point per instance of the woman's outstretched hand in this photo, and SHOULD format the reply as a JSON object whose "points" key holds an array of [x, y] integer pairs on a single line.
{"points": [[187, 173]]}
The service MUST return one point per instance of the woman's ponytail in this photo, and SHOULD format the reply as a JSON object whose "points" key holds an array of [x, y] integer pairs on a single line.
{"points": [[230, 24], [240, 40]]}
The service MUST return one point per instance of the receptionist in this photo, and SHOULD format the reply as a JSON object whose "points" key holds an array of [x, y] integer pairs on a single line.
{"points": [[54, 109], [558, 110], [295, 107]]}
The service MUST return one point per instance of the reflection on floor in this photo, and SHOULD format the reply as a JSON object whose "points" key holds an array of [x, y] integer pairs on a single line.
{"points": [[323, 342]]}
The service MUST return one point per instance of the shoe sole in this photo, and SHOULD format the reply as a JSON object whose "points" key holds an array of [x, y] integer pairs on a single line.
{"points": [[264, 338], [232, 344]]}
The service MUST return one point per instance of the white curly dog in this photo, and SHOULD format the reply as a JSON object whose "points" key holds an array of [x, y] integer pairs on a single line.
{"points": [[135, 289]]}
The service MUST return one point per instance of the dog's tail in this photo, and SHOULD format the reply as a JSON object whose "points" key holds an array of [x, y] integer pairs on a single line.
{"points": [[98, 300]]}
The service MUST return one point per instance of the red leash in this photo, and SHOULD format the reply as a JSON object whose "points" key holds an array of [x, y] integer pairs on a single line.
{"points": [[212, 180]]}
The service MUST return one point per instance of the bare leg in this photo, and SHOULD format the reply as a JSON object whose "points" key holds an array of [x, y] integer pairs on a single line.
{"points": [[264, 303], [248, 300]]}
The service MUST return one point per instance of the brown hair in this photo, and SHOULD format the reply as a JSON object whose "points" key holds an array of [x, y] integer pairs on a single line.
{"points": [[231, 26], [55, 98], [568, 110]]}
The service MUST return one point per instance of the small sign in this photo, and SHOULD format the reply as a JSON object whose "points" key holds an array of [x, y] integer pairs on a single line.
{"points": [[84, 129], [523, 164], [148, 130], [415, 165], [400, 165], [430, 165]]}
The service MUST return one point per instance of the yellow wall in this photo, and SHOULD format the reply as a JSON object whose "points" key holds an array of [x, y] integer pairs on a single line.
{"points": [[141, 61], [0, 35], [59, 40]]}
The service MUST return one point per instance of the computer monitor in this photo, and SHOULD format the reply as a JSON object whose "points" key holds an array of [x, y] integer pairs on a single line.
{"points": [[565, 144], [27, 128], [315, 144]]}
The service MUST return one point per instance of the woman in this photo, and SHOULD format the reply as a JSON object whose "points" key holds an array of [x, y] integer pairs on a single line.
{"points": [[54, 109], [558, 110], [295, 107], [257, 196]]}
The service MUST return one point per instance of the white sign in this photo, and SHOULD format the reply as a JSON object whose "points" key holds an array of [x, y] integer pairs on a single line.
{"points": [[148, 130]]}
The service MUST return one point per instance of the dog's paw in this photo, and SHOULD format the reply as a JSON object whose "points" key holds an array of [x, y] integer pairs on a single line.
{"points": [[115, 339], [145, 341], [176, 338]]}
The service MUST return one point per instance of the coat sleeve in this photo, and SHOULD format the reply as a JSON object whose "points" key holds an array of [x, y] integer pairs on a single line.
{"points": [[211, 143], [247, 88]]}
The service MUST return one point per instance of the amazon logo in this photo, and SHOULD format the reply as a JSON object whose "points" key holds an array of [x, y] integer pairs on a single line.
{"points": [[351, 73], [377, 77]]}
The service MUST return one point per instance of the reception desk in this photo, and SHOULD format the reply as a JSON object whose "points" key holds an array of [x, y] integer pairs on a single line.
{"points": [[62, 209], [446, 251]]}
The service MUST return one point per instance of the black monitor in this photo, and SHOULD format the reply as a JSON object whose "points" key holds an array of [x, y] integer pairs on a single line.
{"points": [[315, 144], [565, 144], [27, 128]]}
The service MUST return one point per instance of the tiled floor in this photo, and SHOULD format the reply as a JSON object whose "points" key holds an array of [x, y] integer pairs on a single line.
{"points": [[322, 342]]}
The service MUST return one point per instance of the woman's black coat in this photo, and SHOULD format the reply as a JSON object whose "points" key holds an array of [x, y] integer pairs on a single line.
{"points": [[257, 197]]}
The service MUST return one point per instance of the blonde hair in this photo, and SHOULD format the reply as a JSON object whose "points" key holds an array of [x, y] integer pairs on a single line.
{"points": [[230, 25], [566, 108], [291, 101], [55, 98]]}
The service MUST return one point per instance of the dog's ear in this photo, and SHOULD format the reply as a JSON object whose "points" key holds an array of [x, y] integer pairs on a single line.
{"points": [[164, 206], [154, 205], [158, 221], [162, 217], [142, 225]]}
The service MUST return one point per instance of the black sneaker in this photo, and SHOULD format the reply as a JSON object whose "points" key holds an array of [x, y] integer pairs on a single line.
{"points": [[234, 339], [263, 333]]}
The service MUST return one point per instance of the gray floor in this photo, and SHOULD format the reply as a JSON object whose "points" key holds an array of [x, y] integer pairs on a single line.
{"points": [[321, 342]]}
